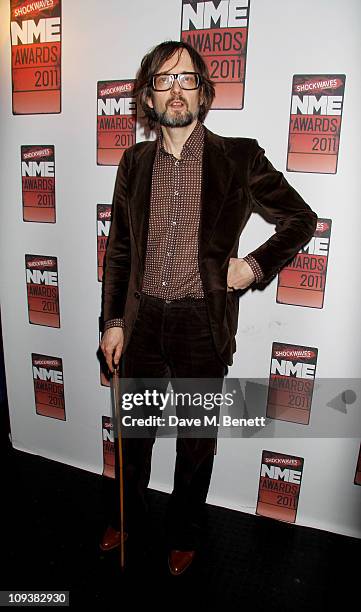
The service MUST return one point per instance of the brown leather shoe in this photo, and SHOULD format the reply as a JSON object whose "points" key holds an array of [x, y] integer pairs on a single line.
{"points": [[111, 539], [179, 560]]}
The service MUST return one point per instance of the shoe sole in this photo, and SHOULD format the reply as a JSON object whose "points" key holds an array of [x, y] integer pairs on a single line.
{"points": [[114, 545], [108, 547], [183, 570]]}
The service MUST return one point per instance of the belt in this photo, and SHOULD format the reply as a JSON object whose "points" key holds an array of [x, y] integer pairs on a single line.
{"points": [[185, 299]]}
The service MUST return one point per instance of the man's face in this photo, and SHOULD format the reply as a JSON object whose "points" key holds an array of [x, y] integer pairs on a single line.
{"points": [[176, 107]]}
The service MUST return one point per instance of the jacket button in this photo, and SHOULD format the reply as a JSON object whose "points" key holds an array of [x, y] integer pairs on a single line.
{"points": [[137, 294]]}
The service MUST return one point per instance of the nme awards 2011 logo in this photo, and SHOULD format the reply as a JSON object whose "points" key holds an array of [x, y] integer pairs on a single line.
{"points": [[42, 290], [291, 382], [35, 31], [279, 486], [302, 282], [315, 123], [108, 447], [48, 386], [104, 217], [219, 32], [38, 183], [116, 120]]}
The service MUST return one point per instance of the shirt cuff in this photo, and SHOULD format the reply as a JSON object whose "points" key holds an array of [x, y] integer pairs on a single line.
{"points": [[256, 268], [114, 323]]}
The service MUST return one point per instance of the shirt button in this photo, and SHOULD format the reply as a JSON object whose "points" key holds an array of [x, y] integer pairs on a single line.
{"points": [[168, 253], [164, 283], [174, 223]]}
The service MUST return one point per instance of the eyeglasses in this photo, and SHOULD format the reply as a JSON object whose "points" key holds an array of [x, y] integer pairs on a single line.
{"points": [[186, 80]]}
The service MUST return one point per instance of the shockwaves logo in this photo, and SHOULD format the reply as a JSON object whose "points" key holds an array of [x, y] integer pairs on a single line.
{"points": [[42, 290], [291, 382], [315, 123], [302, 282], [116, 120], [35, 30], [38, 183], [219, 32], [48, 386]]}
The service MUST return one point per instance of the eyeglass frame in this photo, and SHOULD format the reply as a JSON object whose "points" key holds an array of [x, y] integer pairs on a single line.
{"points": [[175, 76]]}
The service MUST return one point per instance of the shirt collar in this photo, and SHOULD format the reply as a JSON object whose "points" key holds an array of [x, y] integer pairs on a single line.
{"points": [[193, 147]]}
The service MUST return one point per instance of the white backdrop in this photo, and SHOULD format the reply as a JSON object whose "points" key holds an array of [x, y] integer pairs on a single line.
{"points": [[106, 40]]}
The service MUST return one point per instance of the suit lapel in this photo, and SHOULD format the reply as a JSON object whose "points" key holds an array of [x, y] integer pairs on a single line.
{"points": [[215, 182], [140, 183]]}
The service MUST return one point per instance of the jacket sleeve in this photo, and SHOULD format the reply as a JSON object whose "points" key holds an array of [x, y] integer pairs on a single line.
{"points": [[117, 257], [295, 220]]}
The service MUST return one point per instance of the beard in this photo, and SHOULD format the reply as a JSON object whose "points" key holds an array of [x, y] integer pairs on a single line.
{"points": [[178, 119]]}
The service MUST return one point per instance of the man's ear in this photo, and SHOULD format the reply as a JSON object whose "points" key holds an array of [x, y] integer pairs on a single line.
{"points": [[149, 101], [201, 96]]}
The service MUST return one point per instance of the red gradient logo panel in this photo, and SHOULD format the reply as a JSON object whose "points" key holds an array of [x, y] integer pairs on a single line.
{"points": [[104, 217], [116, 120], [315, 123], [35, 31], [219, 32], [38, 183], [279, 486], [108, 447], [42, 290], [48, 386], [291, 382], [302, 282]]}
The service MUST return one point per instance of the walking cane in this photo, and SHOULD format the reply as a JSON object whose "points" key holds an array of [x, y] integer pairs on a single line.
{"points": [[116, 396]]}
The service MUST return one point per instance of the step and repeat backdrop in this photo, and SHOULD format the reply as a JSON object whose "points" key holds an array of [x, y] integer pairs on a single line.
{"points": [[287, 74]]}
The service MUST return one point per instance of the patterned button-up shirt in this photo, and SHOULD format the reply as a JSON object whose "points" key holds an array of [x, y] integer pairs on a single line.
{"points": [[171, 265]]}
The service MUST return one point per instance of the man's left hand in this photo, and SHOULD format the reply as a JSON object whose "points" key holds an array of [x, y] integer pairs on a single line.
{"points": [[239, 275]]}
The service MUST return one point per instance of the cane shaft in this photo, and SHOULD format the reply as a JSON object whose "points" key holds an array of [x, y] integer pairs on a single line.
{"points": [[121, 482]]}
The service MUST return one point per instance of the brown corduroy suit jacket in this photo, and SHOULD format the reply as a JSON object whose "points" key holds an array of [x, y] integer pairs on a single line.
{"points": [[237, 177]]}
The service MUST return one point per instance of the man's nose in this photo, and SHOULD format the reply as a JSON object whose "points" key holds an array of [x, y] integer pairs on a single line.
{"points": [[176, 87]]}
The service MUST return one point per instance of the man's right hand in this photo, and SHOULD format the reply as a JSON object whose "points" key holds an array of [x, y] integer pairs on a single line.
{"points": [[112, 346]]}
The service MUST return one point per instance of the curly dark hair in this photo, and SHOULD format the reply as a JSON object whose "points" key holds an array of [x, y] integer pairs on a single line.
{"points": [[151, 64]]}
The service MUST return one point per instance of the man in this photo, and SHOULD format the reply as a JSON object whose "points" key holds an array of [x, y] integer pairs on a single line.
{"points": [[172, 272]]}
